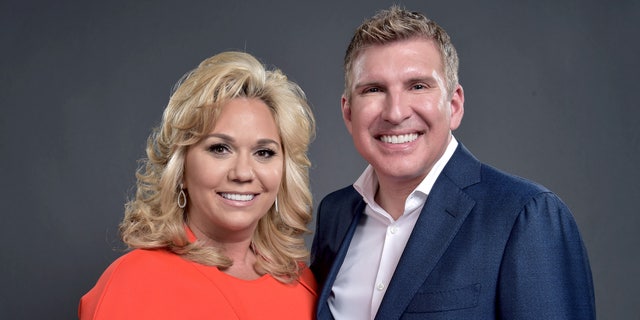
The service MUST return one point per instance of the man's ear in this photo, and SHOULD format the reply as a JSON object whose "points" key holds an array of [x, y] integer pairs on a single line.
{"points": [[457, 107], [346, 112]]}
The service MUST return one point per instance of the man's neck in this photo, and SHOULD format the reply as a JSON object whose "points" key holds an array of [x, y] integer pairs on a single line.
{"points": [[392, 194]]}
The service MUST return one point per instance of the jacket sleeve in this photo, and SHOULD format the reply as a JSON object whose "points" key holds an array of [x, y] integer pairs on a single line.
{"points": [[319, 265], [545, 271]]}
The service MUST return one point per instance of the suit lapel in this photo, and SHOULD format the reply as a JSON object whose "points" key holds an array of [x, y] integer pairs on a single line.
{"points": [[445, 210], [355, 213]]}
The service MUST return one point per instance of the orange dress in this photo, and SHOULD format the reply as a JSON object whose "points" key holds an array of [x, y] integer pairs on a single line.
{"points": [[158, 284]]}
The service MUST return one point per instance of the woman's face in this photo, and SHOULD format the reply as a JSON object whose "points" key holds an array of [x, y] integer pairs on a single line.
{"points": [[233, 174]]}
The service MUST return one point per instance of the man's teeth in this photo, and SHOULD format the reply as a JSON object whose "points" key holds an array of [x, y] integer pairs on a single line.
{"points": [[237, 197], [403, 138]]}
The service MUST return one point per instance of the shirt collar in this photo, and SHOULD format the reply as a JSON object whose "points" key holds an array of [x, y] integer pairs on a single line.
{"points": [[367, 183]]}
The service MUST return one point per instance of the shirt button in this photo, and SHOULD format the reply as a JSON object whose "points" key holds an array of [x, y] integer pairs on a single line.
{"points": [[393, 230], [380, 286]]}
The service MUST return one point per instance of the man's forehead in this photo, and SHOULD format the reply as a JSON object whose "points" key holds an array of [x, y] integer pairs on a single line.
{"points": [[388, 60], [424, 49]]}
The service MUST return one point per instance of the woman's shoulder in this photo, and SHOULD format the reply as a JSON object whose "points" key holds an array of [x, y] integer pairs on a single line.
{"points": [[144, 257], [140, 263], [137, 281], [133, 268]]}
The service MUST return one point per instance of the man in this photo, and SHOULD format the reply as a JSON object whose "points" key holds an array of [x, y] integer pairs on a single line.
{"points": [[427, 231]]}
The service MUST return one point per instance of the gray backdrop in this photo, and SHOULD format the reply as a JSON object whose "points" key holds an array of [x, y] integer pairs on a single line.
{"points": [[549, 91]]}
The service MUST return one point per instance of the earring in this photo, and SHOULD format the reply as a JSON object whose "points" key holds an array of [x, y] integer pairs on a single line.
{"points": [[276, 204], [182, 198]]}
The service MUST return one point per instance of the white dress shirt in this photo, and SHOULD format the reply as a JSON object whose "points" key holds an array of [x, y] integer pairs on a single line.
{"points": [[377, 245]]}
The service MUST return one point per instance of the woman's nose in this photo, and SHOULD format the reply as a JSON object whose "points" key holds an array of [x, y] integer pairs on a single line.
{"points": [[242, 170]]}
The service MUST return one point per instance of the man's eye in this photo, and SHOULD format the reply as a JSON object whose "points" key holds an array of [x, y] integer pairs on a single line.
{"points": [[419, 86], [372, 90]]}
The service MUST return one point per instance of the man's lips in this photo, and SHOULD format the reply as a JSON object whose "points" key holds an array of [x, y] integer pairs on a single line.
{"points": [[400, 138]]}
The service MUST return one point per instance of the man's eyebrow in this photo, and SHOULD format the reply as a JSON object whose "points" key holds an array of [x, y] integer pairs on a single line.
{"points": [[422, 79], [368, 84]]}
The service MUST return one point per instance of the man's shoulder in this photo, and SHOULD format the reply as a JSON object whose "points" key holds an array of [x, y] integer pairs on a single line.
{"points": [[345, 195], [508, 182], [471, 174], [339, 202]]}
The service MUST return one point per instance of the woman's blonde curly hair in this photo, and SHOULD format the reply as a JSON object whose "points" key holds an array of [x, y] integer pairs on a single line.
{"points": [[154, 220]]}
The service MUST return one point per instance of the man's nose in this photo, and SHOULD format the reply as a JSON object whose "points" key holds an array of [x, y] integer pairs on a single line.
{"points": [[396, 108]]}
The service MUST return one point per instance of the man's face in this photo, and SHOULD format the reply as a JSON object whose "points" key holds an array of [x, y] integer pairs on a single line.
{"points": [[399, 114]]}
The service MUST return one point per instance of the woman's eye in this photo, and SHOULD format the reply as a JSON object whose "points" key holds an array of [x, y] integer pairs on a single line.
{"points": [[219, 149], [265, 153]]}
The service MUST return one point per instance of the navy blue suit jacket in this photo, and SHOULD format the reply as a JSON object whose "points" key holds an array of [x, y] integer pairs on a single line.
{"points": [[487, 245]]}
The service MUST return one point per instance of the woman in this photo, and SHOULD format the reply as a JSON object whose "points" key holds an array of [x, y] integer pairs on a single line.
{"points": [[221, 204]]}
